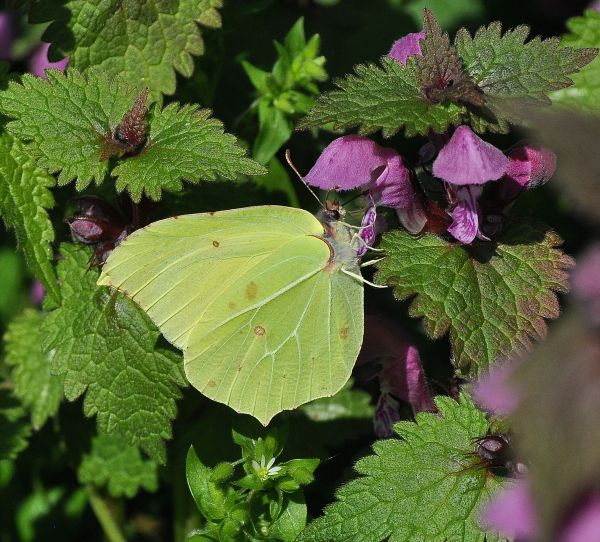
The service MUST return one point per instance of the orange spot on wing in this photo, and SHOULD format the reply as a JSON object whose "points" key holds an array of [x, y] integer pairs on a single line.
{"points": [[344, 331], [259, 330], [216, 244], [251, 290]]}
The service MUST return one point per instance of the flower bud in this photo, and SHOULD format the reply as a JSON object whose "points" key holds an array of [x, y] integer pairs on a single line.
{"points": [[409, 45]]}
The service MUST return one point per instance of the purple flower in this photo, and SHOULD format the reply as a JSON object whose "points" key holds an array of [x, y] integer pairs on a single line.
{"points": [[409, 45], [401, 375], [595, 5], [37, 293], [355, 161], [39, 63], [466, 162], [513, 512], [6, 34], [586, 282], [584, 524], [494, 393]]}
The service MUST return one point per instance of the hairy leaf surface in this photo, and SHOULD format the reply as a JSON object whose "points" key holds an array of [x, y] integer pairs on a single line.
{"points": [[492, 298], [120, 467], [24, 200], [104, 344], [387, 98], [425, 486], [40, 391], [146, 42]]}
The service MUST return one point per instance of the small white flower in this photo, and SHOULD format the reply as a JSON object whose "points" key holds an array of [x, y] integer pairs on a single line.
{"points": [[265, 470]]}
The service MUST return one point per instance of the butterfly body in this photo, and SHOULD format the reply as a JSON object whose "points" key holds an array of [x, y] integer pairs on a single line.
{"points": [[256, 299]]}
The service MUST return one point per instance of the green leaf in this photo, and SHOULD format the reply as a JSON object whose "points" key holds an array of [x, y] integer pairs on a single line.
{"points": [[103, 343], [39, 390], [209, 496], [24, 200], [14, 430], [184, 144], [346, 404], [506, 67], [585, 93], [292, 519], [145, 42], [426, 486], [11, 277], [275, 129], [66, 120], [492, 297], [121, 468], [385, 98]]}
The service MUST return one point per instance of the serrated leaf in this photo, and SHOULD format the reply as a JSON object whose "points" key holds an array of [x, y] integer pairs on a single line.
{"points": [[14, 430], [144, 42], [585, 93], [491, 297], [184, 144], [24, 200], [385, 98], [105, 345], [424, 487], [508, 67], [121, 468], [65, 120], [39, 391]]}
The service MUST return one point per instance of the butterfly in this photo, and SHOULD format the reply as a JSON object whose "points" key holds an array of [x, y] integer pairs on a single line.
{"points": [[265, 302]]}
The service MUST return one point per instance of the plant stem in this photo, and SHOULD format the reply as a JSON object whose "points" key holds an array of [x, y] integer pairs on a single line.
{"points": [[104, 516]]}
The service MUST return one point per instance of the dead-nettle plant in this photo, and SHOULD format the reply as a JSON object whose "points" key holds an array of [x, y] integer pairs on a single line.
{"points": [[174, 274]]}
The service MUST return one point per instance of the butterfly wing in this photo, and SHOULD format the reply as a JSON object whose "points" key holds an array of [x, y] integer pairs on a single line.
{"points": [[246, 295]]}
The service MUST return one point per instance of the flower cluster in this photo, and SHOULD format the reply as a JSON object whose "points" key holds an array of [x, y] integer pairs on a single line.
{"points": [[480, 181]]}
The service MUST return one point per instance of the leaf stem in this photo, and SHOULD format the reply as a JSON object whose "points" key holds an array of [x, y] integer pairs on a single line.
{"points": [[104, 516]]}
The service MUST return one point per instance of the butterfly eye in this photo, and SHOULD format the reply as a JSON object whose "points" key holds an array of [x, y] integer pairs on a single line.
{"points": [[450, 83]]}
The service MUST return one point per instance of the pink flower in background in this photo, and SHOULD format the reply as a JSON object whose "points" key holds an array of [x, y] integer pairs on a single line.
{"points": [[583, 525], [409, 45], [494, 393], [586, 282], [6, 34], [466, 163], [37, 293], [513, 512], [595, 5], [401, 375], [39, 63]]}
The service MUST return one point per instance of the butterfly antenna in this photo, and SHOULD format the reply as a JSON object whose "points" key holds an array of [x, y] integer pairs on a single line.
{"points": [[288, 159], [353, 198]]}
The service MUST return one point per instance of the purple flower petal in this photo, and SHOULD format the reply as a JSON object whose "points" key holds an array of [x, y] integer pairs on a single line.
{"points": [[413, 217], [465, 218], [494, 393], [531, 166], [349, 162], [467, 159], [6, 34], [584, 524], [387, 413], [595, 5], [393, 187], [39, 63], [409, 45], [513, 512], [367, 232]]}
